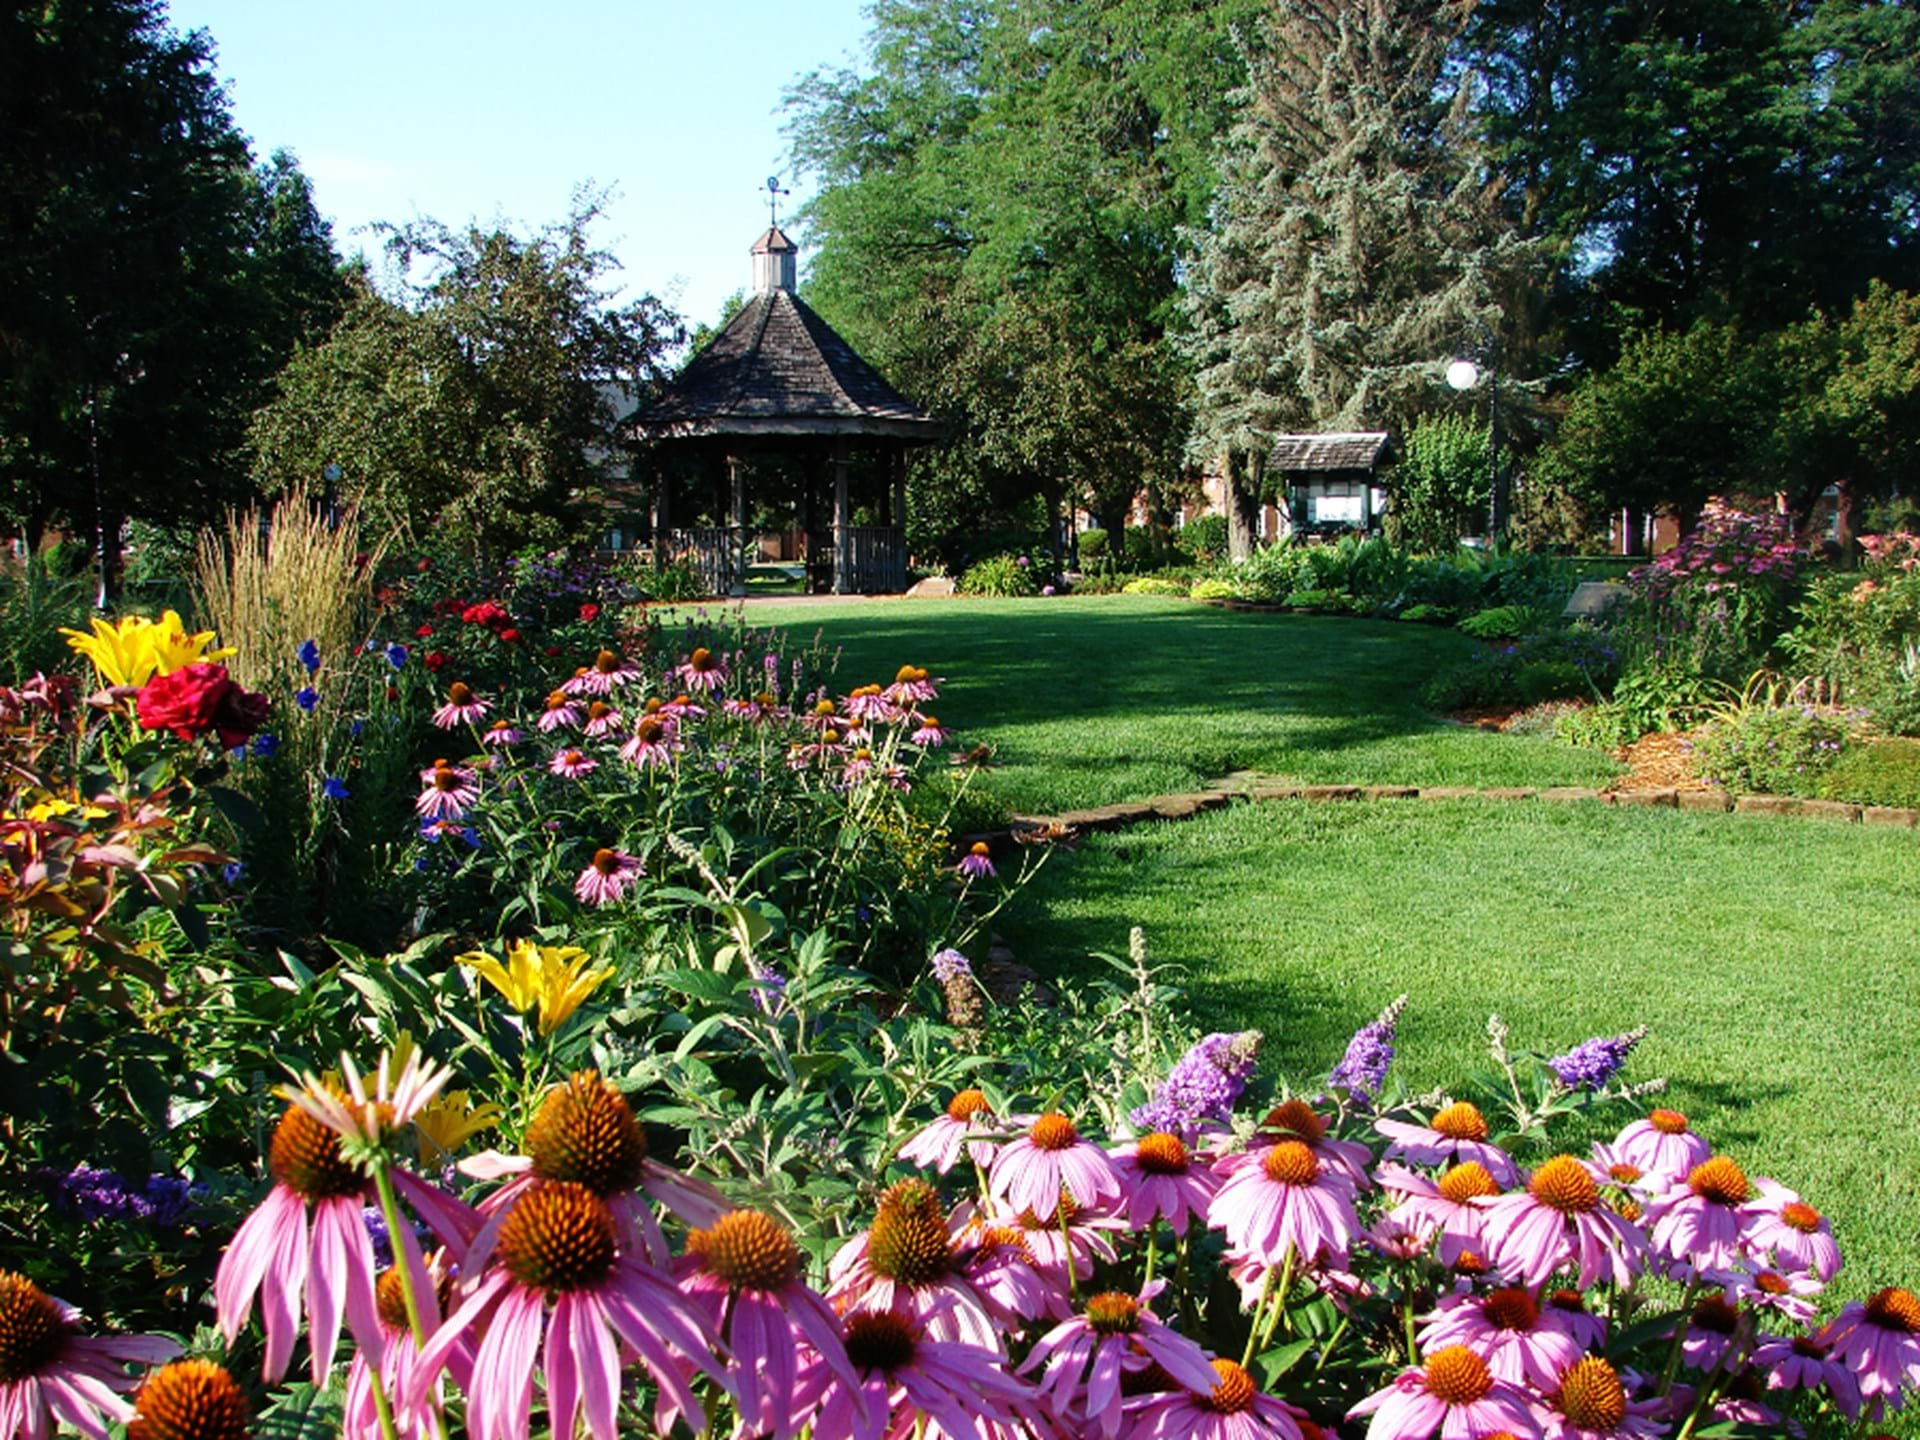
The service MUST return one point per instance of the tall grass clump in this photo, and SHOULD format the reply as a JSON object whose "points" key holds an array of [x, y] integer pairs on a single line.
{"points": [[38, 598]]}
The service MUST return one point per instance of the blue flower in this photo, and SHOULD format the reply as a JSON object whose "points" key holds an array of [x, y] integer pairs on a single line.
{"points": [[396, 656], [306, 697], [264, 744], [356, 727], [310, 656], [334, 788], [1201, 1088], [232, 871]]}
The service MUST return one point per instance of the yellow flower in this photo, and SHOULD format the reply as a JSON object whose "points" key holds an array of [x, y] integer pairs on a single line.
{"points": [[547, 976], [453, 1119], [50, 807], [133, 649]]}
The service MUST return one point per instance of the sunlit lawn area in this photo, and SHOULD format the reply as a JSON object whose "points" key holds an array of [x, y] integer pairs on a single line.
{"points": [[1116, 698]]}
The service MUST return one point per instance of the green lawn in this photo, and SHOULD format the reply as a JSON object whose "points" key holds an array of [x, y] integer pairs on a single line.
{"points": [[1775, 961], [1117, 698]]}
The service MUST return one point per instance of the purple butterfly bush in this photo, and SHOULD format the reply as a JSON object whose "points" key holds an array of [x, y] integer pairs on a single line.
{"points": [[1592, 1063], [1362, 1071], [1202, 1087]]}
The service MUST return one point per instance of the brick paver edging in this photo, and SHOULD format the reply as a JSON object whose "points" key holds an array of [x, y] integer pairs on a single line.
{"points": [[1249, 785]]}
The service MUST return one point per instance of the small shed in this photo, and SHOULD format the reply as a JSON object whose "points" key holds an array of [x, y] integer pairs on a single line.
{"points": [[779, 384], [1332, 481]]}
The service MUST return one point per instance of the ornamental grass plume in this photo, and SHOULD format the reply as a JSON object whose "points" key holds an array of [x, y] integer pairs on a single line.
{"points": [[51, 1374]]}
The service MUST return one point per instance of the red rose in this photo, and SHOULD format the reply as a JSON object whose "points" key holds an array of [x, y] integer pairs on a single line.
{"points": [[552, 650], [509, 636], [485, 613], [436, 660], [423, 632], [589, 613], [425, 565], [197, 698]]}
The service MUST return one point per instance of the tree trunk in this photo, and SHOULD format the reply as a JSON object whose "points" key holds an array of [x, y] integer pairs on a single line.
{"points": [[1844, 506], [1233, 496]]}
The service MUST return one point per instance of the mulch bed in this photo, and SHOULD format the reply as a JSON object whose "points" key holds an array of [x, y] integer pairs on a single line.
{"points": [[1658, 762]]}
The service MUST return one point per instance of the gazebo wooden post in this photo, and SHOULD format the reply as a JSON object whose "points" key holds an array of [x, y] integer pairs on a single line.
{"points": [[842, 522], [899, 467], [808, 465], [662, 519], [737, 538]]}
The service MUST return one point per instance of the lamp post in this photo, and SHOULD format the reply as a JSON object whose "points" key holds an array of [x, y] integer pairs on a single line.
{"points": [[1464, 374]]}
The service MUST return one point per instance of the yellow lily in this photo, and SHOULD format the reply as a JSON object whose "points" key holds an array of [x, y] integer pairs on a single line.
{"points": [[133, 649], [549, 977], [453, 1119]]}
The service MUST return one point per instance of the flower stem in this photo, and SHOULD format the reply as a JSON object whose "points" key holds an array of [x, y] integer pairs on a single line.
{"points": [[1153, 1236], [1339, 1331], [1278, 1313], [390, 1212], [1672, 1367], [1066, 1240], [381, 1406]]}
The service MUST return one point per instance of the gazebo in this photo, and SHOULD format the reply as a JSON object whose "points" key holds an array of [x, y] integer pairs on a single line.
{"points": [[1332, 480], [778, 381]]}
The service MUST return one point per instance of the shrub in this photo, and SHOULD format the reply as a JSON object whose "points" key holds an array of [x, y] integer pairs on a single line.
{"points": [[1549, 680], [1427, 615], [1770, 742], [1214, 590], [37, 602], [1003, 577], [1856, 631], [1440, 484], [1505, 622], [1093, 545], [1205, 538], [1154, 585], [1334, 600], [674, 583], [1577, 662], [1875, 772]]}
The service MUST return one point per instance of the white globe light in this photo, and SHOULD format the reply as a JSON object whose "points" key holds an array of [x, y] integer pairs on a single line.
{"points": [[1463, 374]]}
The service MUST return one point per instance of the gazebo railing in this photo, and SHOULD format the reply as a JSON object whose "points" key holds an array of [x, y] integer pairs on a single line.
{"points": [[714, 554], [876, 560]]}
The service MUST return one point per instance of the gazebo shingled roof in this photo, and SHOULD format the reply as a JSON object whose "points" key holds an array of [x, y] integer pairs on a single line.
{"points": [[1350, 450]]}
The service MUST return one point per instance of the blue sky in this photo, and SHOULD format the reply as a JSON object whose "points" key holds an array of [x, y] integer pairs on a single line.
{"points": [[495, 110]]}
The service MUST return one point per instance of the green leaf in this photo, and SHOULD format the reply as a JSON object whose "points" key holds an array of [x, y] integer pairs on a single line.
{"points": [[1272, 1364], [239, 809]]}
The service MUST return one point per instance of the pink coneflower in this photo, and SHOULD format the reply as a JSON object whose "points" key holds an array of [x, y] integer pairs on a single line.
{"points": [[755, 709], [1560, 1219], [1086, 1356], [1571, 1308], [680, 707], [1457, 1133], [1713, 1325], [908, 1261], [1788, 1293], [1702, 1221], [1879, 1341], [561, 712], [824, 749], [977, 863], [1590, 1403], [702, 671], [937, 1144], [360, 1414], [552, 1262], [1287, 1202], [502, 733], [1444, 1212], [998, 1262], [188, 1400], [1806, 1362], [860, 765], [463, 707], [1520, 1340], [929, 733], [1453, 1393], [823, 714], [608, 876], [50, 1373], [653, 743], [602, 719], [1159, 1181], [1051, 1159], [1295, 1119], [1624, 1174], [1797, 1235], [745, 1271], [869, 705], [599, 678], [912, 686], [572, 765], [276, 1255], [451, 791], [905, 1375], [1231, 1408], [1662, 1144]]}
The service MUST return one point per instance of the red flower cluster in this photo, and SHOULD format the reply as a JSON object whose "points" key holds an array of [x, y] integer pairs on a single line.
{"points": [[589, 612], [486, 613], [197, 698]]}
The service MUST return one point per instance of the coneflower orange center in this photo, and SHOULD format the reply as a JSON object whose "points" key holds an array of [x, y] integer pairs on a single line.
{"points": [[1895, 1309], [1457, 1376], [1714, 1314], [1113, 1313], [1297, 1118], [585, 1132], [966, 1104], [980, 847], [823, 708], [1063, 1215], [1469, 1181], [765, 700], [445, 777], [880, 1340], [1591, 1396], [1564, 1184], [599, 710], [305, 1157], [1798, 1215], [1288, 1162], [32, 1334], [1233, 1391], [748, 1250], [1469, 1263], [606, 861], [650, 729], [1668, 1122], [1461, 1121], [571, 757], [1810, 1347], [1719, 1180], [1771, 1282], [189, 1400], [1510, 1308], [1162, 1154], [701, 659], [1052, 1131], [1625, 1174], [908, 1243], [653, 705], [606, 662], [1568, 1300], [558, 700], [558, 1237], [460, 693], [390, 1299]]}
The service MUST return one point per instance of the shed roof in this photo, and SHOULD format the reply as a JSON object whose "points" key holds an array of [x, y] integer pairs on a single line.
{"points": [[1343, 450], [777, 368]]}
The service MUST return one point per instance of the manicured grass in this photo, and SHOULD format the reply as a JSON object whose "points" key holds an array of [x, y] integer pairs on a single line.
{"points": [[1117, 698], [1774, 960]]}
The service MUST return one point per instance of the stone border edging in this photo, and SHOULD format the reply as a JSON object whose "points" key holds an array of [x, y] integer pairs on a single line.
{"points": [[1252, 786]]}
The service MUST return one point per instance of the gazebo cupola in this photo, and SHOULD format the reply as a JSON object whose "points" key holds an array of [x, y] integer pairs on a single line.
{"points": [[779, 384]]}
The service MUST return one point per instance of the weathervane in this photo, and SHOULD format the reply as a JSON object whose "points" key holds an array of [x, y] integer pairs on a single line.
{"points": [[774, 192]]}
